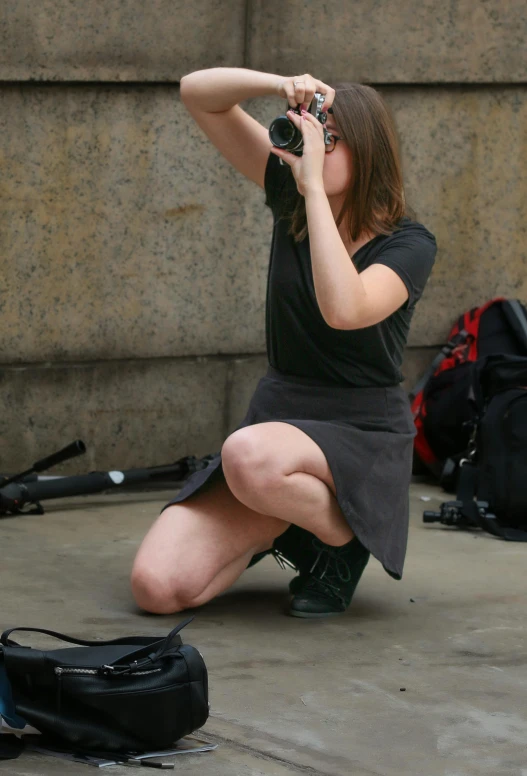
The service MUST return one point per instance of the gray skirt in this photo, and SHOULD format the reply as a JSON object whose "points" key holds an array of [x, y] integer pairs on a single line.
{"points": [[367, 437]]}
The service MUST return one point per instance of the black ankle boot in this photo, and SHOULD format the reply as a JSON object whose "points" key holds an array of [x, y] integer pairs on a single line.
{"points": [[329, 588]]}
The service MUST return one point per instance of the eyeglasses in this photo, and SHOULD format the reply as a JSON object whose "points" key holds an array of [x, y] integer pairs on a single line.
{"points": [[332, 142]]}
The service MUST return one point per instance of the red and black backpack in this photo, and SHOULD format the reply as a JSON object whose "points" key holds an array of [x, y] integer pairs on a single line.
{"points": [[441, 401]]}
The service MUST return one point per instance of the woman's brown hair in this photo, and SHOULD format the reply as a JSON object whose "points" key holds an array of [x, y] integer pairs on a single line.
{"points": [[375, 199]]}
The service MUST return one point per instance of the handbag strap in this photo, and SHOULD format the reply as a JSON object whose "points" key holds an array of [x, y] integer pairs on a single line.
{"points": [[172, 640], [144, 641], [145, 656], [6, 641]]}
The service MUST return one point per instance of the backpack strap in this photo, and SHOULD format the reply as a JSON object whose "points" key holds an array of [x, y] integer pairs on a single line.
{"points": [[467, 486], [515, 314], [513, 534], [445, 352], [466, 491], [468, 324]]}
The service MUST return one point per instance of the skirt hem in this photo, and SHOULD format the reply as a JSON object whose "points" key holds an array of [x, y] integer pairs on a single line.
{"points": [[215, 469]]}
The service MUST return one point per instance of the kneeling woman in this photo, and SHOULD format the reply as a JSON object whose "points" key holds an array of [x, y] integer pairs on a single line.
{"points": [[319, 469]]}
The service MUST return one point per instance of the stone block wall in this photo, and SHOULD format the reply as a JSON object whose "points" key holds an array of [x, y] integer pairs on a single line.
{"points": [[134, 258]]}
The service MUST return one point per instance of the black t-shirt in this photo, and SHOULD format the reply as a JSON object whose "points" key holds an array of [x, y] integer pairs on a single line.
{"points": [[299, 341]]}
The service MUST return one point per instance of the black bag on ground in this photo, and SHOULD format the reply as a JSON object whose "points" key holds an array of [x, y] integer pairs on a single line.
{"points": [[441, 402], [501, 439], [133, 694], [492, 484]]}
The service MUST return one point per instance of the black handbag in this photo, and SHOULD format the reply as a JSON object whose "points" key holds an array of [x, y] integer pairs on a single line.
{"points": [[132, 694]]}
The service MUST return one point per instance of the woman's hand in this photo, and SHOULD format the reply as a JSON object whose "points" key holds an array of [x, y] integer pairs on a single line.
{"points": [[308, 168], [300, 91]]}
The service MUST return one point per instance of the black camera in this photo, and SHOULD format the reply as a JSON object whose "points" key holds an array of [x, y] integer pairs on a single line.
{"points": [[283, 133], [469, 514]]}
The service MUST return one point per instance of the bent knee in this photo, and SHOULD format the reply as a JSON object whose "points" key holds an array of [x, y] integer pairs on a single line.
{"points": [[243, 463], [154, 594], [235, 454]]}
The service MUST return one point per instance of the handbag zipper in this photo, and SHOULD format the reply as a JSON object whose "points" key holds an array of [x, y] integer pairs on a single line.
{"points": [[60, 671], [94, 671]]}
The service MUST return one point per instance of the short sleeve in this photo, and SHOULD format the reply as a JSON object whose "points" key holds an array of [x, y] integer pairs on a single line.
{"points": [[411, 256], [280, 186]]}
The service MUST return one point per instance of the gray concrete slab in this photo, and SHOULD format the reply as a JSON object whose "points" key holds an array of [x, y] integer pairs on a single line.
{"points": [[117, 211], [423, 677], [133, 412], [386, 41], [161, 40]]}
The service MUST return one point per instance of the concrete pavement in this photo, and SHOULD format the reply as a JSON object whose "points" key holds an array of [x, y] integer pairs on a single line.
{"points": [[423, 677]]}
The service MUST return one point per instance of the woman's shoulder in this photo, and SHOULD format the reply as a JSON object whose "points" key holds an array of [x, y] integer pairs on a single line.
{"points": [[409, 242], [408, 228]]}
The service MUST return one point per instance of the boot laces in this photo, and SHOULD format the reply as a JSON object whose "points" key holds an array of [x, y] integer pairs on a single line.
{"points": [[332, 569]]}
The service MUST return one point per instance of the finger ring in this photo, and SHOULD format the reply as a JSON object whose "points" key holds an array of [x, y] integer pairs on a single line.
{"points": [[297, 82]]}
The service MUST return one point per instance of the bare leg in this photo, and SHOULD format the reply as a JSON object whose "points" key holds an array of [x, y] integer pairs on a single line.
{"points": [[198, 548], [301, 498], [226, 577], [276, 469]]}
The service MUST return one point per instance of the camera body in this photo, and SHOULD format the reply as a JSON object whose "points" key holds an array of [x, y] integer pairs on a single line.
{"points": [[283, 133], [455, 513]]}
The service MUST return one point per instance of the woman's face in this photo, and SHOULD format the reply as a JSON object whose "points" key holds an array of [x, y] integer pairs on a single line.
{"points": [[337, 164]]}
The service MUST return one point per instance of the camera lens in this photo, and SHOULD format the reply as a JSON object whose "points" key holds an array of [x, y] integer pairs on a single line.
{"points": [[284, 134]]}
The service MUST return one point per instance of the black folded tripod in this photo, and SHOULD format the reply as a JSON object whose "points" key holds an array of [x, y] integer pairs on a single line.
{"points": [[26, 490]]}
